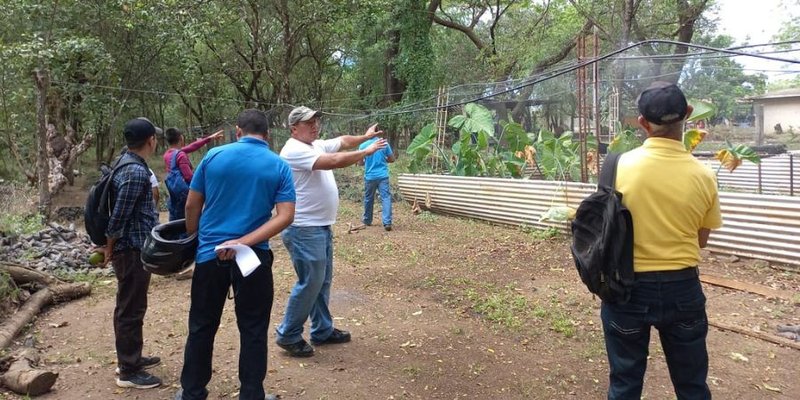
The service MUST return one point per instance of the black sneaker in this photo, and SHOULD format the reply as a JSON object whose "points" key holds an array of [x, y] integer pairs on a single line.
{"points": [[336, 337], [388, 227], [138, 380], [299, 349], [145, 362]]}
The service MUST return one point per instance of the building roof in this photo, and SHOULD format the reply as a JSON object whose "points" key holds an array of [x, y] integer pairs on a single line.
{"points": [[778, 94]]}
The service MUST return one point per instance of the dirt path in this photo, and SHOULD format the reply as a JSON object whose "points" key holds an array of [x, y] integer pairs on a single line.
{"points": [[439, 308]]}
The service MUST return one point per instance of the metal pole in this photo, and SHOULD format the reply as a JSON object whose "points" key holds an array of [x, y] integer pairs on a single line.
{"points": [[759, 178], [791, 174]]}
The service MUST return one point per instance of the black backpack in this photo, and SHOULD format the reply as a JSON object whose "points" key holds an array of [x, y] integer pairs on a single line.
{"points": [[100, 202], [602, 239]]}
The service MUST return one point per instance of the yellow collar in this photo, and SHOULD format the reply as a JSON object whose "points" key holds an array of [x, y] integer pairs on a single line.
{"points": [[664, 144]]}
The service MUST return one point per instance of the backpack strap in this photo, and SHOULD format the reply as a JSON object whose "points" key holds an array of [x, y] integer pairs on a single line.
{"points": [[174, 163], [105, 197], [608, 174]]}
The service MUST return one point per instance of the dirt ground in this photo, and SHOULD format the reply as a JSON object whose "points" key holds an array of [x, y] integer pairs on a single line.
{"points": [[439, 308]]}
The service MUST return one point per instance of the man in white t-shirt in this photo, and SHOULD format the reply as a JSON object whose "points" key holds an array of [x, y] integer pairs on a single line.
{"points": [[309, 239], [154, 188]]}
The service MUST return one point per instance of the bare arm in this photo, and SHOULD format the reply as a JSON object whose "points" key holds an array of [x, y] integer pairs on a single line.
{"points": [[343, 159], [702, 237], [156, 197], [349, 141], [390, 159], [284, 216], [194, 206]]}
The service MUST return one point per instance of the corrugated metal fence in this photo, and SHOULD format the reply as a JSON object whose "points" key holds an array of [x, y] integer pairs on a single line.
{"points": [[759, 226], [774, 175]]}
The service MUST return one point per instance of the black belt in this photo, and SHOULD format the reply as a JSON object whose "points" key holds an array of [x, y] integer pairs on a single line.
{"points": [[668, 276]]}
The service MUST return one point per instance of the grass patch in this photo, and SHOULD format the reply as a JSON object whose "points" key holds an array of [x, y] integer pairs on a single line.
{"points": [[561, 323], [505, 307], [350, 255], [427, 217], [20, 224], [412, 371], [8, 290], [540, 234]]}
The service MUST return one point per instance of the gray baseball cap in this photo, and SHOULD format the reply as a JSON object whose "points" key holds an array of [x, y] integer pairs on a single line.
{"points": [[302, 113]]}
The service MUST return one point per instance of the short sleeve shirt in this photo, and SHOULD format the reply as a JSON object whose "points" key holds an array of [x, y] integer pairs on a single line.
{"points": [[241, 183], [317, 194], [671, 196], [153, 179], [375, 165]]}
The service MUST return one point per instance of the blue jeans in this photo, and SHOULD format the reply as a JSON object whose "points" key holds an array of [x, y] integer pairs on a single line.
{"points": [[253, 304], [311, 249], [383, 188], [677, 309]]}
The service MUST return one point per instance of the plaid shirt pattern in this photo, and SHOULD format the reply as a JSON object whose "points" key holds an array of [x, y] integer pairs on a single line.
{"points": [[134, 214]]}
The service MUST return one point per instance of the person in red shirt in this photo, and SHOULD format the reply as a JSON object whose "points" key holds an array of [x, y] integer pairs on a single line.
{"points": [[177, 142]]}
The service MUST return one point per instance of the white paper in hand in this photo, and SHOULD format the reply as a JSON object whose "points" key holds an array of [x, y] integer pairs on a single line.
{"points": [[246, 258]]}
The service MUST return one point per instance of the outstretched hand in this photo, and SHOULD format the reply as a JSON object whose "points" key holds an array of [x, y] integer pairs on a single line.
{"points": [[379, 144], [373, 131], [216, 135]]}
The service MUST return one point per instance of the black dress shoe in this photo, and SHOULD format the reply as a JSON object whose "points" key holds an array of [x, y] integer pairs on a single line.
{"points": [[299, 349], [337, 336]]}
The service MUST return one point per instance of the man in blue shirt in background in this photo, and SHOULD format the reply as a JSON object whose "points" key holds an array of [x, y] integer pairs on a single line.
{"points": [[376, 177], [231, 198]]}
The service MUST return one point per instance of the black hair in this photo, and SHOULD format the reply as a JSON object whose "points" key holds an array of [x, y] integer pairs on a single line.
{"points": [[173, 135], [252, 121]]}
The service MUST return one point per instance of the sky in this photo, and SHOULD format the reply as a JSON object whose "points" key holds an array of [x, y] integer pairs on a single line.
{"points": [[756, 22]]}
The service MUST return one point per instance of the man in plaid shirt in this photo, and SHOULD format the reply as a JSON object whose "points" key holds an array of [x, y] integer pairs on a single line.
{"points": [[132, 218]]}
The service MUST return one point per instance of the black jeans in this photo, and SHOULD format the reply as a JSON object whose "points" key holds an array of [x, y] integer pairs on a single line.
{"points": [[132, 284], [253, 299], [674, 304]]}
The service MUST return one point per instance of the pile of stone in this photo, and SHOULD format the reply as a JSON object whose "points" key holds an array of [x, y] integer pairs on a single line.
{"points": [[56, 249]]}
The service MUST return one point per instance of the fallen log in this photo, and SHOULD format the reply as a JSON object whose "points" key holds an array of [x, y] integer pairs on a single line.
{"points": [[22, 275], [746, 287], [43, 297], [22, 377], [758, 335]]}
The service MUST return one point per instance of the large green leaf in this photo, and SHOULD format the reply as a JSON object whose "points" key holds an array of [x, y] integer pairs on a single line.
{"points": [[421, 145], [624, 141], [692, 138], [476, 118], [702, 110], [516, 137]]}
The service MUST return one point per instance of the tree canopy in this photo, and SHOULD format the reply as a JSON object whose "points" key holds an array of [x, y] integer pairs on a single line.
{"points": [[196, 63]]}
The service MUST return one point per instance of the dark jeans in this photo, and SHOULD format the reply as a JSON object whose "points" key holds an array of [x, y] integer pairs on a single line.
{"points": [[253, 299], [132, 284], [674, 304]]}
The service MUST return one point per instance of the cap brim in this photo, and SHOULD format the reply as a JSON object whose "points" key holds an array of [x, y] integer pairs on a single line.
{"points": [[311, 115]]}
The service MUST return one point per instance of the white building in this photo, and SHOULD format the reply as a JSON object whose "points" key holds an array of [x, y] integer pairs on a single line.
{"points": [[777, 112]]}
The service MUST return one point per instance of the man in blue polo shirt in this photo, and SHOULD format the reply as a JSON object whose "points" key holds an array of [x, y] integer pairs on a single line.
{"points": [[376, 177], [231, 198]]}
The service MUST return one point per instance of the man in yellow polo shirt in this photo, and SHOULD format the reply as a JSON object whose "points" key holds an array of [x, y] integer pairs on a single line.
{"points": [[673, 200]]}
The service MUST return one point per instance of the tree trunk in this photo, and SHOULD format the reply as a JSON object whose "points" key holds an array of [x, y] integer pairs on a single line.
{"points": [[24, 379], [393, 87], [12, 326], [41, 79], [22, 275]]}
